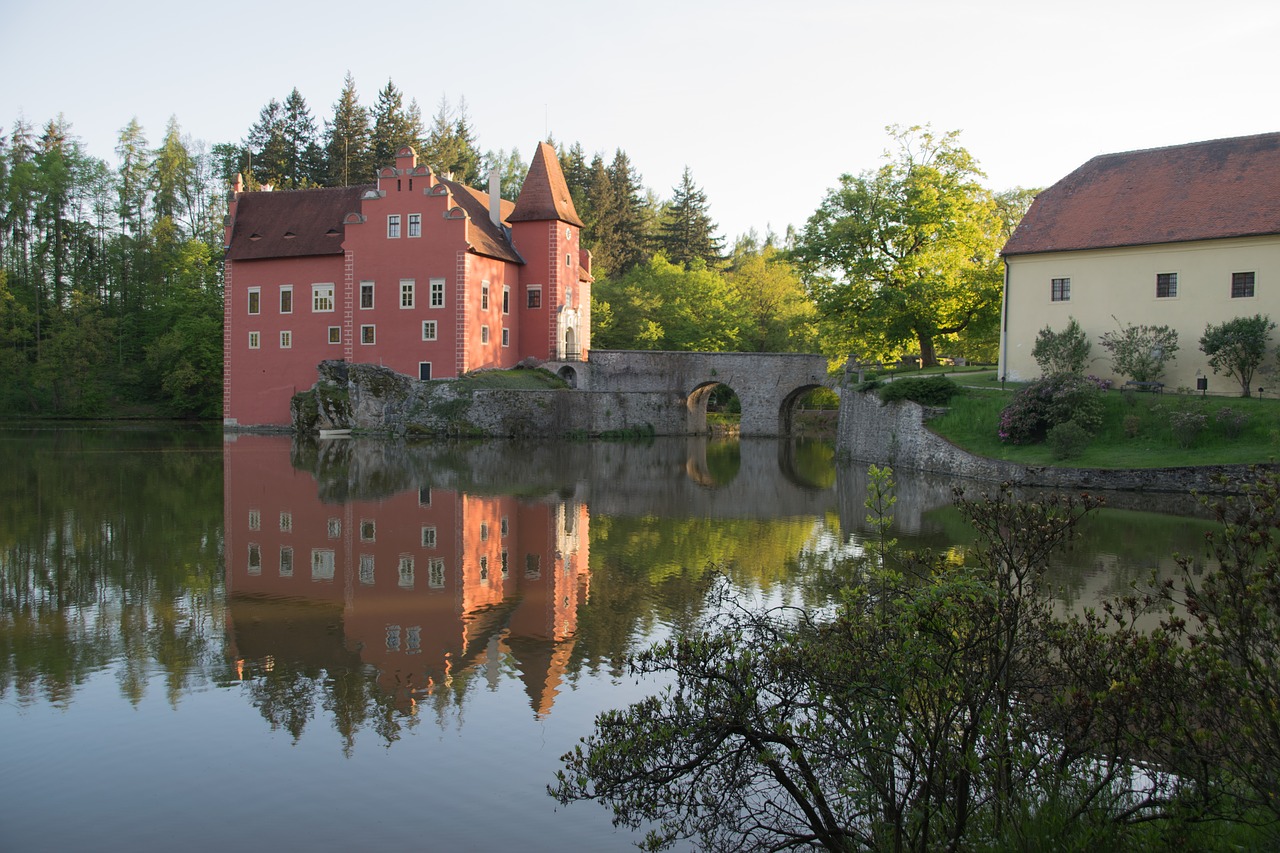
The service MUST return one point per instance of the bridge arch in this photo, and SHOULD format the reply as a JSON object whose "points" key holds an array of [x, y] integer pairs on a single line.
{"points": [[768, 385]]}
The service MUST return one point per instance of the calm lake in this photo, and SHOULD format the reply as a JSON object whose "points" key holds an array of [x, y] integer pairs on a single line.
{"points": [[241, 643]]}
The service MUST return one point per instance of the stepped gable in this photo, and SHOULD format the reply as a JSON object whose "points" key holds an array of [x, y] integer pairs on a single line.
{"points": [[545, 193], [1201, 191], [291, 223]]}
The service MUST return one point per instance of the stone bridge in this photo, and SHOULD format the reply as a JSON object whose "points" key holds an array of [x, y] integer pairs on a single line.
{"points": [[768, 385]]}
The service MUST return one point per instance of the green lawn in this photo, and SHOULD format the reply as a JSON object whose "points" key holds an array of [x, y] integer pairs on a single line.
{"points": [[1137, 430]]}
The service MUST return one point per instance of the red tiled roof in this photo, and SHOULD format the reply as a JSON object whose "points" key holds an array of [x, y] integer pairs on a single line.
{"points": [[545, 193], [1201, 191], [291, 223], [485, 237]]}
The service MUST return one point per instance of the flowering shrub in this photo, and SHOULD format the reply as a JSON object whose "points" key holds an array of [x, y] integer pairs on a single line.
{"points": [[1231, 421], [1187, 426], [1102, 384], [1050, 401]]}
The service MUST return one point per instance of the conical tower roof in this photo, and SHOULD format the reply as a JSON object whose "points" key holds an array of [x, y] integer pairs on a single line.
{"points": [[545, 193]]}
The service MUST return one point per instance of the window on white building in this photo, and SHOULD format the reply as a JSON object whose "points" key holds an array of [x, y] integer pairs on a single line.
{"points": [[1060, 290], [1241, 285], [1166, 285]]}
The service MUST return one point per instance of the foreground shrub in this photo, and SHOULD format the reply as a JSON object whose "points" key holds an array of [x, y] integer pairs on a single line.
{"points": [[1050, 401], [927, 390]]}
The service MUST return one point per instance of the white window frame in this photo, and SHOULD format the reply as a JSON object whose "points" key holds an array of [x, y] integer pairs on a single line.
{"points": [[335, 334], [407, 293], [506, 299], [430, 330], [323, 564], [286, 561], [367, 569], [368, 335], [322, 298], [393, 226], [415, 224], [484, 334], [366, 287], [255, 519], [427, 365], [506, 336], [484, 296], [435, 574], [429, 536], [286, 289], [286, 339], [529, 296], [437, 293], [405, 571], [255, 340], [254, 564], [254, 305], [368, 530]]}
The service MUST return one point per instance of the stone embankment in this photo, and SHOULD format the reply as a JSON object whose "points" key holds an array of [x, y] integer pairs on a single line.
{"points": [[895, 434], [372, 399]]}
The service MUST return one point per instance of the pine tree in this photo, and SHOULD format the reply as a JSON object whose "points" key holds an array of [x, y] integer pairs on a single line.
{"points": [[393, 126], [450, 146], [347, 153], [511, 167], [686, 233], [625, 223], [271, 151], [302, 150], [577, 174]]}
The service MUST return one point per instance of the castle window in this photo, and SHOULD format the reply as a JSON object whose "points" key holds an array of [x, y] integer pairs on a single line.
{"points": [[484, 296], [535, 296], [428, 537], [1060, 290], [506, 336], [415, 223], [435, 577], [321, 297], [335, 334], [286, 340], [437, 293], [322, 564], [1166, 285], [286, 522], [368, 530], [406, 292], [406, 571], [255, 300], [484, 531], [255, 340], [366, 294], [334, 528], [255, 519], [1241, 285], [255, 559], [368, 334], [506, 300], [286, 299], [393, 226], [484, 334], [366, 569], [428, 330], [286, 561]]}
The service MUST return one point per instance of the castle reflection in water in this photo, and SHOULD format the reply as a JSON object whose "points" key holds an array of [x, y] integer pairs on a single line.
{"points": [[421, 583]]}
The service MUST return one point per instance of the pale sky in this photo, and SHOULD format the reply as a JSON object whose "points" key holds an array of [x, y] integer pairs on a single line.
{"points": [[767, 103]]}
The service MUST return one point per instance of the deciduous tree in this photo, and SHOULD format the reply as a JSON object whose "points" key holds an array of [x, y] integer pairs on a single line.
{"points": [[906, 254]]}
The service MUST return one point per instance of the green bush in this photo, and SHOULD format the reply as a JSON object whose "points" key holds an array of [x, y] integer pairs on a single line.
{"points": [[1231, 421], [927, 390], [1062, 352], [1187, 426], [1068, 440]]}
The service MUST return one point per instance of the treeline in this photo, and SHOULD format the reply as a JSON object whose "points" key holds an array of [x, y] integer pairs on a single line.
{"points": [[111, 276]]}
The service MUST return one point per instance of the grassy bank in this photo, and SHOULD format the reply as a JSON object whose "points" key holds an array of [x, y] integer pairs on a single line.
{"points": [[1138, 431]]}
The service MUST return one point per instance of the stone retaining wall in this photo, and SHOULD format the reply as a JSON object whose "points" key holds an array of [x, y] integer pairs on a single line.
{"points": [[895, 434]]}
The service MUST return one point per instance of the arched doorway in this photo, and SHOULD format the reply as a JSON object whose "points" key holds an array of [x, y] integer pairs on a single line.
{"points": [[569, 375]]}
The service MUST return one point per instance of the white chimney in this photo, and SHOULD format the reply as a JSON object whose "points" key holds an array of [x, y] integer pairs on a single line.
{"points": [[495, 197]]}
